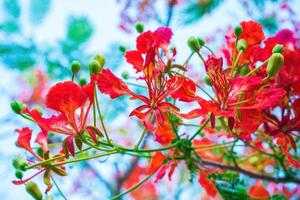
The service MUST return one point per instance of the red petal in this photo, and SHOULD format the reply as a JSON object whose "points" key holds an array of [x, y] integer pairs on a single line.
{"points": [[252, 32], [24, 138], [156, 162], [109, 84], [193, 114], [65, 97], [42, 139], [136, 59], [209, 187]]}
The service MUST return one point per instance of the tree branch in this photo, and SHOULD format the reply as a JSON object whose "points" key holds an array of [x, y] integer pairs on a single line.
{"points": [[251, 174]]}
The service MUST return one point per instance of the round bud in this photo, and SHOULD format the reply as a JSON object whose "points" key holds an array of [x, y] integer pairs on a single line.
{"points": [[82, 81], [20, 163], [242, 45], [34, 190], [139, 27], [17, 106], [238, 31], [207, 80], [244, 70], [100, 59], [95, 67], [75, 67], [125, 75], [201, 42], [193, 43], [122, 48], [274, 64], [19, 174], [277, 49]]}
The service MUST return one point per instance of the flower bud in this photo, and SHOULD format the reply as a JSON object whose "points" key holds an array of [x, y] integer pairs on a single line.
{"points": [[34, 190], [95, 67], [193, 43], [238, 31], [100, 59], [277, 49], [75, 67], [82, 81], [17, 106], [242, 45], [125, 75], [122, 48], [201, 42], [139, 27], [20, 163], [19, 174], [244, 70], [207, 80], [274, 64]]}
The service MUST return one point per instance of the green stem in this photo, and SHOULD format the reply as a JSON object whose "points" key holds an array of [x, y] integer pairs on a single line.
{"points": [[132, 188], [198, 86], [84, 158], [199, 131], [235, 64], [140, 139], [53, 159], [58, 188], [101, 118], [209, 49], [201, 57], [257, 68]]}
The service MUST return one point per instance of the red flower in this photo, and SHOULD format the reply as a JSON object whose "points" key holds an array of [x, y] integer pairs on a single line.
{"points": [[252, 32], [258, 191]]}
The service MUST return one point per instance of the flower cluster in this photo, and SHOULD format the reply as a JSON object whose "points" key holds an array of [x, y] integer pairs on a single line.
{"points": [[248, 117]]}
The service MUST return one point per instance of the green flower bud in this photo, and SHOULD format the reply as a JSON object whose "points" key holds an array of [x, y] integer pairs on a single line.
{"points": [[207, 80], [95, 67], [139, 27], [19, 174], [201, 42], [82, 81], [242, 45], [39, 151], [122, 48], [17, 106], [238, 31], [20, 163], [244, 70], [274, 64], [75, 67], [277, 49], [100, 59], [125, 75], [34, 190], [193, 43]]}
